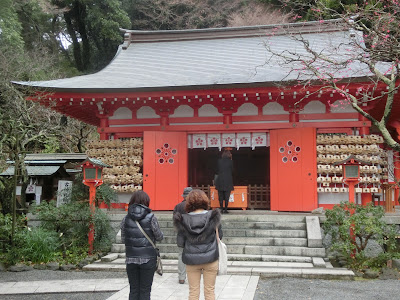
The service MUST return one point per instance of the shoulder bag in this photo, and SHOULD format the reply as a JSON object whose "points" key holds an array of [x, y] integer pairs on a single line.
{"points": [[223, 256], [159, 269]]}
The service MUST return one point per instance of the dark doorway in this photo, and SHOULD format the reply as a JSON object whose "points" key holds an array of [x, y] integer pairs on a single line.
{"points": [[251, 167]]}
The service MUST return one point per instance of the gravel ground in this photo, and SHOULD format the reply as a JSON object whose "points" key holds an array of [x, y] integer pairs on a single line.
{"points": [[271, 289], [299, 289]]}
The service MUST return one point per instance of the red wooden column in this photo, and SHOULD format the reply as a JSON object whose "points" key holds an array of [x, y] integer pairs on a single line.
{"points": [[227, 117], [103, 126], [365, 197], [103, 136], [397, 165], [397, 178], [365, 129], [293, 117], [164, 121]]}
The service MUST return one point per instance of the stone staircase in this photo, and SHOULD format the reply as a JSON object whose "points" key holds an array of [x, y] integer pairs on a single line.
{"points": [[269, 244]]}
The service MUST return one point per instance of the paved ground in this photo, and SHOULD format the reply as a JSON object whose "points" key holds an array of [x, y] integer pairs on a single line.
{"points": [[166, 287], [111, 285]]}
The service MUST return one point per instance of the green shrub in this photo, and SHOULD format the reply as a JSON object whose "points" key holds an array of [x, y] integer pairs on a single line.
{"points": [[80, 192], [367, 223], [36, 245], [6, 228], [103, 234], [71, 222]]}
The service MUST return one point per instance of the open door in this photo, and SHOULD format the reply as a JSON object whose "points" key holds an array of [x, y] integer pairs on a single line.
{"points": [[165, 160], [293, 169]]}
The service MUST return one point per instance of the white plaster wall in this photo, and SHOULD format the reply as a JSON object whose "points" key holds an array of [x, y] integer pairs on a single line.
{"points": [[208, 110], [146, 112], [314, 107], [121, 114], [247, 109], [332, 198], [274, 108], [342, 106], [183, 111]]}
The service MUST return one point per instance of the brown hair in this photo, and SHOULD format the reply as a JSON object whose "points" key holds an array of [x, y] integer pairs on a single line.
{"points": [[195, 200], [140, 197], [226, 154]]}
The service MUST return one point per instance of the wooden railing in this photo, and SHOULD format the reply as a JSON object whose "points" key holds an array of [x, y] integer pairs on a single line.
{"points": [[259, 197]]}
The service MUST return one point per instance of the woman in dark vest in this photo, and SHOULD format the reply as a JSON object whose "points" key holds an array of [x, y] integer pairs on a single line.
{"points": [[141, 257], [199, 242], [224, 182]]}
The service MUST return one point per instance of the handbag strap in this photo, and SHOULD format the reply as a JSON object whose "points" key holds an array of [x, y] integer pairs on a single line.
{"points": [[145, 234]]}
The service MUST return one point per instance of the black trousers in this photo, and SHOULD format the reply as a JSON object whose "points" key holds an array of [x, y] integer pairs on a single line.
{"points": [[141, 279], [223, 196]]}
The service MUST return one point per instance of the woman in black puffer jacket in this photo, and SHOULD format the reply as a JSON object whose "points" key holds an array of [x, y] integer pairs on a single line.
{"points": [[141, 257], [200, 249]]}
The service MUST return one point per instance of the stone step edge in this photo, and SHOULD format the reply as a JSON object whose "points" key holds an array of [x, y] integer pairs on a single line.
{"points": [[315, 262], [248, 257], [266, 272]]}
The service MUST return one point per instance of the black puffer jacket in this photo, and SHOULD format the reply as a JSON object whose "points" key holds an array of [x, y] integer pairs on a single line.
{"points": [[198, 230], [136, 244]]}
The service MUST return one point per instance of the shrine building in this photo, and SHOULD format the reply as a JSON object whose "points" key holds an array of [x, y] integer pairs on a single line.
{"points": [[179, 97]]}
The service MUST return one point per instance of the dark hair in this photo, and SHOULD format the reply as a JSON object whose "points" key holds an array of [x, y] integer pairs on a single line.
{"points": [[226, 154], [195, 200], [140, 197]]}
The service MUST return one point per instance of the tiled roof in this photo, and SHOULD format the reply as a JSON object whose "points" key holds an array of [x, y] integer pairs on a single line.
{"points": [[207, 58], [34, 170]]}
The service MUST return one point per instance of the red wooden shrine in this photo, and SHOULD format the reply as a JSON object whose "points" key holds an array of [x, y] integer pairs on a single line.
{"points": [[168, 86]]}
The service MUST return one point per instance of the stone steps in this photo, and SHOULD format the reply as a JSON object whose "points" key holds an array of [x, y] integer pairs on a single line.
{"points": [[264, 269], [266, 244]]}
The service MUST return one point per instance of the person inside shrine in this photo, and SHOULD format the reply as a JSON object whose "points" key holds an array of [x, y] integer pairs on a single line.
{"points": [[224, 180]]}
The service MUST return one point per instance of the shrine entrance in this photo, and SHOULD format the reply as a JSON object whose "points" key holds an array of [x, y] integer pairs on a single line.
{"points": [[251, 174]]}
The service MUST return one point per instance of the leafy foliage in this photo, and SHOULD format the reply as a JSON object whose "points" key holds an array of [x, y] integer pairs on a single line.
{"points": [[71, 222], [5, 230], [35, 245], [104, 193], [353, 226]]}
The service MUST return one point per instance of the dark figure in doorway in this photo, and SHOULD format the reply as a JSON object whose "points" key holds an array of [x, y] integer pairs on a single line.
{"points": [[224, 181]]}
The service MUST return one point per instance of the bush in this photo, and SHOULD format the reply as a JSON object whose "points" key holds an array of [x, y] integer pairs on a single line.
{"points": [[36, 245], [5, 233], [6, 228], [366, 223], [104, 193], [71, 222]]}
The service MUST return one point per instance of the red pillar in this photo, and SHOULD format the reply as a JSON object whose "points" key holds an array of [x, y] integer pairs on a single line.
{"points": [[293, 117], [363, 130], [397, 178], [92, 196], [103, 125], [227, 118], [164, 121]]}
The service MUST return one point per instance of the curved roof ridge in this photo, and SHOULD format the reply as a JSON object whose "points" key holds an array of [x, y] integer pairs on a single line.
{"points": [[140, 36]]}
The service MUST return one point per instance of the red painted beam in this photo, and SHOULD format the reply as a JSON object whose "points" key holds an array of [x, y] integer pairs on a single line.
{"points": [[253, 127]]}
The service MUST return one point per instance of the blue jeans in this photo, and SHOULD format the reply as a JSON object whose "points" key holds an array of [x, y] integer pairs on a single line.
{"points": [[141, 279]]}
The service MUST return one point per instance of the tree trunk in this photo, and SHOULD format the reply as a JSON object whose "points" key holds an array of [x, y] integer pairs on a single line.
{"points": [[75, 43]]}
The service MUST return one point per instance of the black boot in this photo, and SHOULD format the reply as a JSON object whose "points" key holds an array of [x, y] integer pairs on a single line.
{"points": [[226, 207], [221, 206]]}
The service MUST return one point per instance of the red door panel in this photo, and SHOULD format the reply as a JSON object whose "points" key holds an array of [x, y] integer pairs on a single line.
{"points": [[293, 169], [165, 161]]}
